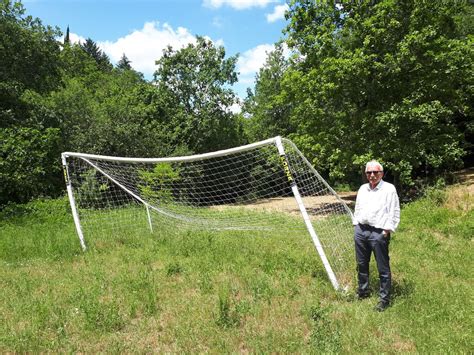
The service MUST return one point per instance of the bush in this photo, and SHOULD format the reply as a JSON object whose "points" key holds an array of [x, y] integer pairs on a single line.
{"points": [[30, 166]]}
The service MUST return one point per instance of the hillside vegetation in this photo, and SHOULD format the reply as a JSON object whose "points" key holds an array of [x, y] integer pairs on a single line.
{"points": [[230, 292], [349, 82]]}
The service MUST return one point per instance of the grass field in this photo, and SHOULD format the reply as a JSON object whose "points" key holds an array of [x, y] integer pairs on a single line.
{"points": [[230, 292]]}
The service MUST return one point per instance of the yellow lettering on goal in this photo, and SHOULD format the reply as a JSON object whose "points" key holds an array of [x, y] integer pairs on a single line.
{"points": [[286, 168]]}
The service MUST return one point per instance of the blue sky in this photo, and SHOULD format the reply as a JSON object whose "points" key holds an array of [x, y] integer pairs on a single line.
{"points": [[142, 28]]}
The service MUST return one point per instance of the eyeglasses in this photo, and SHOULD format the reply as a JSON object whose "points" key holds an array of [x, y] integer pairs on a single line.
{"points": [[372, 172]]}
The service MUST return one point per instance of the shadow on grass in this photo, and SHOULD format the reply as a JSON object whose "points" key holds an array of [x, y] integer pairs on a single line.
{"points": [[402, 288]]}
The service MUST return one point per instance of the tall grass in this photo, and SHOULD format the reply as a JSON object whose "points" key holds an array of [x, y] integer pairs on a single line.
{"points": [[229, 291]]}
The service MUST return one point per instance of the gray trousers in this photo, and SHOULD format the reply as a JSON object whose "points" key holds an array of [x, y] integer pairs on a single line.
{"points": [[369, 239]]}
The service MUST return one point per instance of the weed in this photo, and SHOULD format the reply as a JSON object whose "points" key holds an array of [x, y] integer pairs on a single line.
{"points": [[174, 269], [325, 334], [227, 315]]}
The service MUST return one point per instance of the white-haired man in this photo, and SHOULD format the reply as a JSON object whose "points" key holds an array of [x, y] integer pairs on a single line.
{"points": [[376, 216]]}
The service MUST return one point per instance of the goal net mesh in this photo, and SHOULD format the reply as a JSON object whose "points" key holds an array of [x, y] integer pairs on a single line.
{"points": [[247, 190]]}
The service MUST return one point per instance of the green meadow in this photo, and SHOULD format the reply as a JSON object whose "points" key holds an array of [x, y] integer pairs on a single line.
{"points": [[230, 292]]}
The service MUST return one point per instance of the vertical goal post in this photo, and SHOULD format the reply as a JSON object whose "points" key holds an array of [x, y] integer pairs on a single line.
{"points": [[231, 189], [304, 213]]}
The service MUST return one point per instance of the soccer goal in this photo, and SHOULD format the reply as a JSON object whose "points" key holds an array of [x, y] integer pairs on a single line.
{"points": [[268, 186]]}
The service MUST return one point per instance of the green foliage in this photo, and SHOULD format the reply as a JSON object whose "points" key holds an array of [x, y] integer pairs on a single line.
{"points": [[325, 335], [390, 80], [90, 189], [174, 269], [194, 85], [157, 184], [437, 143], [41, 210], [124, 63], [268, 108], [436, 194], [29, 141], [97, 109], [101, 59], [30, 163], [227, 316], [30, 51]]}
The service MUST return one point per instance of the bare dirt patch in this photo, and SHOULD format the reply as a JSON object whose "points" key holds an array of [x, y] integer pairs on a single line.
{"points": [[465, 176], [461, 195], [314, 204]]}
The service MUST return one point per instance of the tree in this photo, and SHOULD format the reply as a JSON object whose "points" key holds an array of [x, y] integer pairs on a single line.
{"points": [[29, 60], [53, 100], [100, 112], [268, 108], [67, 41], [30, 164], [102, 60], [124, 63], [384, 79], [194, 86], [29, 139]]}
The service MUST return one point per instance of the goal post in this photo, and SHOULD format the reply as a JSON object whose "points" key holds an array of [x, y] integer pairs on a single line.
{"points": [[72, 202], [304, 213], [267, 186]]}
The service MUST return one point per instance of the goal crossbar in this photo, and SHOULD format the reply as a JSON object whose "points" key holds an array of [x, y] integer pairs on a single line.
{"points": [[189, 158]]}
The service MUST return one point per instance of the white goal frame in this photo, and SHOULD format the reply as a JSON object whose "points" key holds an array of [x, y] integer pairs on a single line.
{"points": [[277, 141]]}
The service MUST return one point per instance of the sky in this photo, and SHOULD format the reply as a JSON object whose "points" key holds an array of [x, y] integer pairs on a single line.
{"points": [[141, 29]]}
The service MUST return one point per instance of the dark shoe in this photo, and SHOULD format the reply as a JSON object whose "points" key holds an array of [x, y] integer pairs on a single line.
{"points": [[361, 296], [381, 306]]}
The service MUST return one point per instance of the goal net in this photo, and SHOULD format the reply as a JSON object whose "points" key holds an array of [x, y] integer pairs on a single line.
{"points": [[267, 186]]}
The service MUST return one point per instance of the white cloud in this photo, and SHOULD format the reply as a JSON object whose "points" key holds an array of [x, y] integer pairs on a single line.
{"points": [[217, 43], [236, 4], [236, 108], [249, 64], [74, 38], [278, 13], [252, 60], [143, 47]]}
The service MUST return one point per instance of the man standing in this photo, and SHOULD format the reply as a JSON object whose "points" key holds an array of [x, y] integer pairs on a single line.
{"points": [[376, 216]]}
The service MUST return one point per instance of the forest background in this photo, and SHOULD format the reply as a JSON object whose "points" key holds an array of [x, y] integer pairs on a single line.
{"points": [[390, 80]]}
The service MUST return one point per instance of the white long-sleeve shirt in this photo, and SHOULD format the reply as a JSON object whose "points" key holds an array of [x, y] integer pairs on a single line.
{"points": [[378, 207]]}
